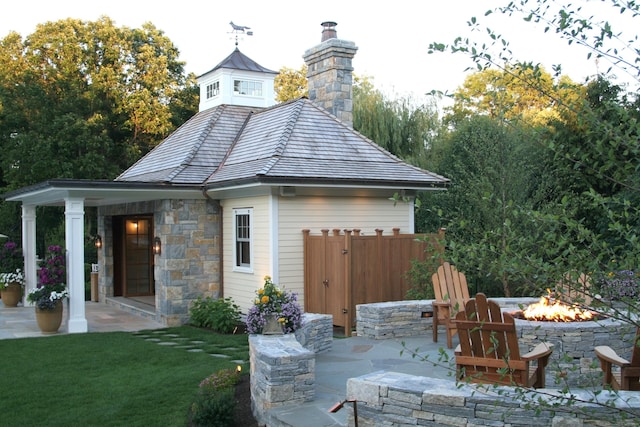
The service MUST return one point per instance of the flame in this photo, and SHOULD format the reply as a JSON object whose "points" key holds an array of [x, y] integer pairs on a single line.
{"points": [[548, 309]]}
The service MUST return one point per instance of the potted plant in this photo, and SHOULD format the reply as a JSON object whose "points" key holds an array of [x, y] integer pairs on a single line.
{"points": [[51, 289], [11, 276], [274, 311]]}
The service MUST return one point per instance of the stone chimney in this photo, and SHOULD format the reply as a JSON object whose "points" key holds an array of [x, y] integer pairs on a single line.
{"points": [[329, 73]]}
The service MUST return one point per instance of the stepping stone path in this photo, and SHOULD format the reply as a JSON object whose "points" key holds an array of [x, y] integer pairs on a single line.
{"points": [[163, 338]]}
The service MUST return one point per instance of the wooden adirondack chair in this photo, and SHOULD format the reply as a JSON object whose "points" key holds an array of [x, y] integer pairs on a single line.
{"points": [[628, 376], [451, 292], [488, 351]]}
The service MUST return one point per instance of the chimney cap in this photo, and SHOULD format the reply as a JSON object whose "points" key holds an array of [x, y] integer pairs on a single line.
{"points": [[329, 30]]}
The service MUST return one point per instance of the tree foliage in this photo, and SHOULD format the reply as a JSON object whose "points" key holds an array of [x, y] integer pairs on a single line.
{"points": [[513, 94], [401, 126], [291, 84], [85, 100]]}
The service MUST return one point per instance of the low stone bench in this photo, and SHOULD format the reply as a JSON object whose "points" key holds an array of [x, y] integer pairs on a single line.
{"points": [[283, 366], [391, 398]]}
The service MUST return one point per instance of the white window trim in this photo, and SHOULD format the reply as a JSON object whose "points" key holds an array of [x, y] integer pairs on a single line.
{"points": [[237, 93], [243, 268]]}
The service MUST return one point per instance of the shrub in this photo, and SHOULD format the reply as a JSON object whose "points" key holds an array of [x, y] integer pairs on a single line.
{"points": [[621, 285], [215, 402], [220, 315]]}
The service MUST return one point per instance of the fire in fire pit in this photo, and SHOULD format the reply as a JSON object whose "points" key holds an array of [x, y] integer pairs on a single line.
{"points": [[550, 309]]}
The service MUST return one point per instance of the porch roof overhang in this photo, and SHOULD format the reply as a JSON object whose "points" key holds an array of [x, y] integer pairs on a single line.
{"points": [[54, 192]]}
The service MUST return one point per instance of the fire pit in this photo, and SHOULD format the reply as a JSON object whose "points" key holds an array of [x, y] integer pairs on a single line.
{"points": [[575, 332], [550, 309]]}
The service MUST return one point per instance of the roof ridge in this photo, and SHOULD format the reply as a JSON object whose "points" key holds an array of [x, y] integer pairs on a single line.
{"points": [[231, 147], [297, 106], [195, 147]]}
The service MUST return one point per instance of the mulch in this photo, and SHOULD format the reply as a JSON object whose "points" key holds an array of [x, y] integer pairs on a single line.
{"points": [[243, 416]]}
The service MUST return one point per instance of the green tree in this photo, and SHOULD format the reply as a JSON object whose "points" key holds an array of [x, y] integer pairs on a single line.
{"points": [[513, 93], [291, 84], [586, 215], [85, 100], [492, 168]]}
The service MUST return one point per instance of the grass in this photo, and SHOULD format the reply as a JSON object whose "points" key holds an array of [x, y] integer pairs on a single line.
{"points": [[111, 379]]}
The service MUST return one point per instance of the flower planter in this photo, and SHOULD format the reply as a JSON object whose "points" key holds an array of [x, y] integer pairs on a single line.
{"points": [[272, 326], [49, 321], [12, 295]]}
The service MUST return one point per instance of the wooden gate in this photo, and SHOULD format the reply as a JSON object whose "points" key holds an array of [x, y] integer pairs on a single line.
{"points": [[343, 270]]}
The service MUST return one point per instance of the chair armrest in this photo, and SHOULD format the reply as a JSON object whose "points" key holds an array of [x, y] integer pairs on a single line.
{"points": [[541, 350], [607, 354], [441, 303]]}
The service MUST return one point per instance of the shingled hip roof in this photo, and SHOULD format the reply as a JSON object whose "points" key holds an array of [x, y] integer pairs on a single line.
{"points": [[292, 143]]}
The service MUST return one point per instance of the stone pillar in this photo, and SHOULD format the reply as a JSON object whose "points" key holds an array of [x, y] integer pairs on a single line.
{"points": [[74, 241], [29, 249], [329, 75], [282, 373]]}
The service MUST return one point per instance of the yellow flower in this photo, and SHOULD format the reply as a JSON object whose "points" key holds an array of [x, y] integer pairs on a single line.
{"points": [[257, 301], [267, 278], [265, 299], [611, 274], [260, 291], [282, 320]]}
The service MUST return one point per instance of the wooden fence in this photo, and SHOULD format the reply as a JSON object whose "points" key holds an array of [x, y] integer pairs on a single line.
{"points": [[342, 270]]}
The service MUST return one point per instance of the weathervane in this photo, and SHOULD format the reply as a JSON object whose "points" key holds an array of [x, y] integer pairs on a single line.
{"points": [[239, 29]]}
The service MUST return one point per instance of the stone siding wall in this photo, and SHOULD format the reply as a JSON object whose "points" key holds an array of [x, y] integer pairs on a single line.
{"points": [[390, 398]]}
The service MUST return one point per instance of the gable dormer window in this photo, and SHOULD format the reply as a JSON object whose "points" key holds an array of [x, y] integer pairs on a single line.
{"points": [[213, 89], [247, 87]]}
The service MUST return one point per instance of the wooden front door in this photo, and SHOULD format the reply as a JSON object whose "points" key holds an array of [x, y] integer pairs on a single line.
{"points": [[133, 256]]}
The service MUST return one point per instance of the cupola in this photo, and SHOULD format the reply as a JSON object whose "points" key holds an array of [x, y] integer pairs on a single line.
{"points": [[237, 80]]}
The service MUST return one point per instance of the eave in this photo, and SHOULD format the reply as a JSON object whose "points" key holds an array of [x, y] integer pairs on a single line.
{"points": [[99, 193]]}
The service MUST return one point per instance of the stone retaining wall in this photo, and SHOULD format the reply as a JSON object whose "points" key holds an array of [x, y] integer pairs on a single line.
{"points": [[390, 398], [395, 319], [316, 333], [283, 366]]}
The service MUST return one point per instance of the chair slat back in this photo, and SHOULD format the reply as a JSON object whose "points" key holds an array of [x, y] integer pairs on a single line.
{"points": [[450, 285], [486, 332]]}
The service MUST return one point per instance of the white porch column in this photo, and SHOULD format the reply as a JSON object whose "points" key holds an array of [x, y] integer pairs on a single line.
{"points": [[29, 249], [74, 240]]}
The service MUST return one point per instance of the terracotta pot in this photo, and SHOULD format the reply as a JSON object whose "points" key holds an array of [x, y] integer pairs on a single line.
{"points": [[12, 295], [49, 321]]}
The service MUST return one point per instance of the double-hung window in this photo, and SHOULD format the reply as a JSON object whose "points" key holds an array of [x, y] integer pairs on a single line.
{"points": [[242, 225]]}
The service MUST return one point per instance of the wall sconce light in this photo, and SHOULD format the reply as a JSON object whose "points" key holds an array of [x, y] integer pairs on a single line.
{"points": [[157, 246], [98, 241]]}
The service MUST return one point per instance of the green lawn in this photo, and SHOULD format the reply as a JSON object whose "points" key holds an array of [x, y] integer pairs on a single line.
{"points": [[111, 379]]}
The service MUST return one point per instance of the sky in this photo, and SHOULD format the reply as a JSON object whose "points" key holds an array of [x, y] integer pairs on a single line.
{"points": [[392, 37]]}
